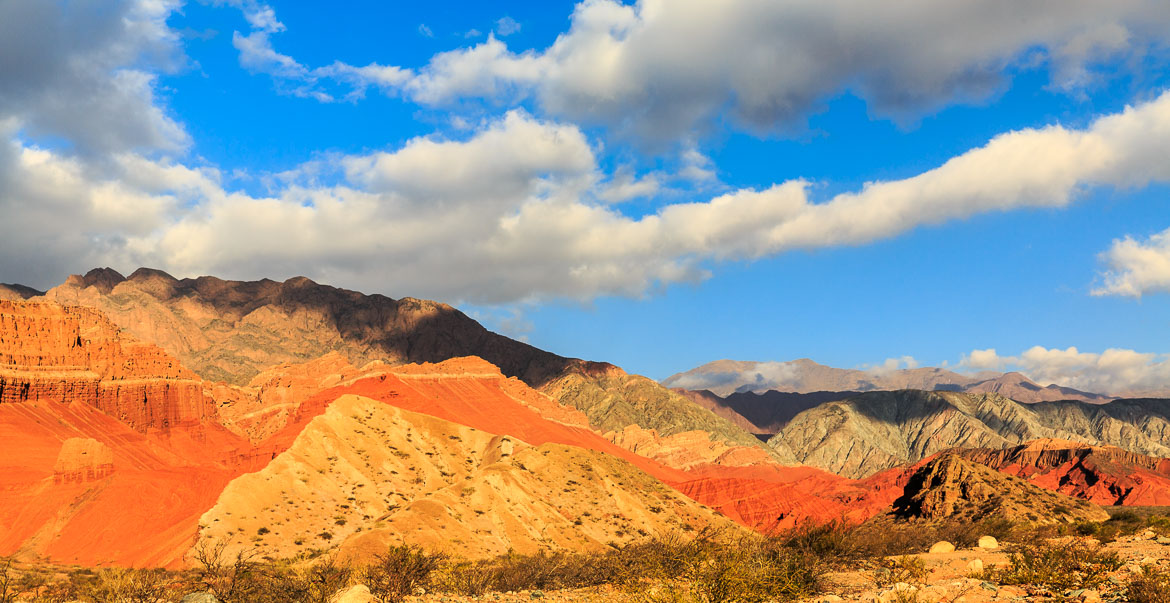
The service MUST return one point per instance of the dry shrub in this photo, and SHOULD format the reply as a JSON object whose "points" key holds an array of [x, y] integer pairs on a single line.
{"points": [[401, 569], [1060, 566], [1151, 586], [907, 568], [120, 585]]}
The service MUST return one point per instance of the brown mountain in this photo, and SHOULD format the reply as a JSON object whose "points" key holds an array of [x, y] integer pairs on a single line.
{"points": [[232, 330], [14, 292], [727, 377], [763, 413], [879, 430], [1022, 389], [953, 488]]}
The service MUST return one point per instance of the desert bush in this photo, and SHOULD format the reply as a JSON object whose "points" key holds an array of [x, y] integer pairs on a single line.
{"points": [[401, 569], [835, 540], [1068, 565], [120, 585], [907, 568], [1150, 586], [7, 581]]}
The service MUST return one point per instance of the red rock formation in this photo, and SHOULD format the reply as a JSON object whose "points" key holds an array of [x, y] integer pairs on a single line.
{"points": [[56, 354], [1104, 475]]}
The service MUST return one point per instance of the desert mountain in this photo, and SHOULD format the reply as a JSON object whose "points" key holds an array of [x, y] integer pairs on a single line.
{"points": [[16, 292], [367, 474], [951, 487], [232, 331], [728, 377], [879, 430], [1105, 475], [122, 451], [764, 413]]}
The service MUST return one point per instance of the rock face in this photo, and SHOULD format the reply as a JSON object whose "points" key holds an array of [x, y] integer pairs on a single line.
{"points": [[83, 460], [880, 430], [55, 354], [727, 377], [767, 412], [1105, 475], [952, 488]]}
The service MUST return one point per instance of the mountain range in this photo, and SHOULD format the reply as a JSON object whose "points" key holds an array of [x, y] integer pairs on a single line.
{"points": [[155, 415], [727, 377]]}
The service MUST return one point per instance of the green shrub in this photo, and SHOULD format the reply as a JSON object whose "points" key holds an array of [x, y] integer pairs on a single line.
{"points": [[1068, 565]]}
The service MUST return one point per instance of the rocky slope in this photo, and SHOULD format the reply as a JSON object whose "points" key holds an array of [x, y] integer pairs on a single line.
{"points": [[233, 331], [442, 485], [950, 487], [728, 377], [1105, 475], [879, 430], [768, 412]]}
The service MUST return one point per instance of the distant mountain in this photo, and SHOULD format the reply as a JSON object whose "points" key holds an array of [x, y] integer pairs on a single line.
{"points": [[762, 412], [727, 377], [12, 291], [879, 430]]}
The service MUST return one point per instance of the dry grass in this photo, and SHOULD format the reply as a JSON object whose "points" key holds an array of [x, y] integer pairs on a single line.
{"points": [[1151, 586]]}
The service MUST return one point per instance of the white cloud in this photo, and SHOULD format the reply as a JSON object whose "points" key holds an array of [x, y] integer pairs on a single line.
{"points": [[1137, 268], [771, 63], [892, 364], [425, 30], [85, 72], [520, 210], [1112, 372], [767, 65], [506, 26]]}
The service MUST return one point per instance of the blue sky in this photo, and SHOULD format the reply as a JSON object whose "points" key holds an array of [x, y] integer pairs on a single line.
{"points": [[657, 184]]}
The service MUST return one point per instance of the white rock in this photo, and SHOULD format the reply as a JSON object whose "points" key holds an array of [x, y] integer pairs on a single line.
{"points": [[942, 546], [988, 542], [357, 594], [975, 566]]}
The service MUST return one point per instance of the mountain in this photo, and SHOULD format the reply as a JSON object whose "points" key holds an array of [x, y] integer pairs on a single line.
{"points": [[728, 377], [764, 413], [126, 457], [445, 486], [16, 292], [1022, 389], [879, 430], [950, 487], [724, 377], [1105, 475], [232, 331]]}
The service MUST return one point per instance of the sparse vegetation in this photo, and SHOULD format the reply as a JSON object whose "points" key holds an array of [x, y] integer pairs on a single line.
{"points": [[1150, 586], [1060, 566]]}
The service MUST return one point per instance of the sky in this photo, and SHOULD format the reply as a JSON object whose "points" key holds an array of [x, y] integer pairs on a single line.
{"points": [[978, 185]]}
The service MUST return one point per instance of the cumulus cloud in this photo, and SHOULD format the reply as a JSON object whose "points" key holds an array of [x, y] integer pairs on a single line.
{"points": [[769, 64], [520, 210], [892, 364], [1112, 372], [1137, 267], [85, 72]]}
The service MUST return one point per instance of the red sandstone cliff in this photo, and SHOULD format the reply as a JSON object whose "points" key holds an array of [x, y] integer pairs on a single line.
{"points": [[58, 354]]}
